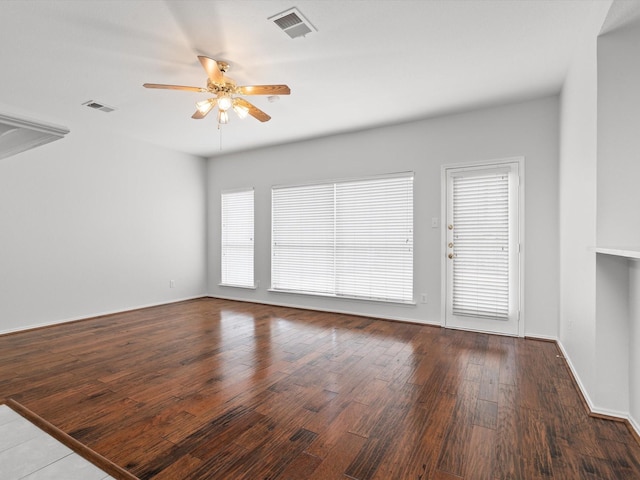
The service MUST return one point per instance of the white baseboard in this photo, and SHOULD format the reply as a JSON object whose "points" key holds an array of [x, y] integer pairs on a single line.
{"points": [[635, 425], [610, 413], [536, 336], [93, 315], [576, 377], [329, 310], [594, 409]]}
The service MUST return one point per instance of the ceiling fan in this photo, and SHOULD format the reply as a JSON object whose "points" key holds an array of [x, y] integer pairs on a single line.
{"points": [[226, 91]]}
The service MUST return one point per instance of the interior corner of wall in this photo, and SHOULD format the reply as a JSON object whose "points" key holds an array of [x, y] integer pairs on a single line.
{"points": [[576, 376]]}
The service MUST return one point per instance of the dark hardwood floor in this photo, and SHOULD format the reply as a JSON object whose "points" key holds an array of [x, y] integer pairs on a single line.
{"points": [[212, 389]]}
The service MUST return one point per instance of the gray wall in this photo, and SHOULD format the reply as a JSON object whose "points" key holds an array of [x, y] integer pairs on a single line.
{"points": [[96, 223], [528, 129]]}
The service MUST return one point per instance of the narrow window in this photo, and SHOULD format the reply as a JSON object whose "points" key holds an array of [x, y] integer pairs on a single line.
{"points": [[237, 238]]}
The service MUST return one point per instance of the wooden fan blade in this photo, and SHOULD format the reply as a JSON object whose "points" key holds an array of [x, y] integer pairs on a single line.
{"points": [[174, 87], [254, 111], [212, 69], [199, 115], [203, 112], [264, 90]]}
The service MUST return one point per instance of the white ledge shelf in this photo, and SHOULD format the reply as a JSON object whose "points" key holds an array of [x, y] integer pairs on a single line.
{"points": [[627, 252]]}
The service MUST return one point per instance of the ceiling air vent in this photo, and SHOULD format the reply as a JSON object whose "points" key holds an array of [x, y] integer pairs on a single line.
{"points": [[293, 23], [98, 106], [20, 134]]}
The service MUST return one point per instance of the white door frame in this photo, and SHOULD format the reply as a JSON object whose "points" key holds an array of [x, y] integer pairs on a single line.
{"points": [[443, 232]]}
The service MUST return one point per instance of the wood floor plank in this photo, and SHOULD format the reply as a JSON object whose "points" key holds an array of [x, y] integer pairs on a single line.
{"points": [[622, 457], [412, 428], [380, 440], [479, 464], [486, 414], [509, 450], [302, 466], [177, 469], [456, 442], [339, 458], [329, 435], [421, 462], [215, 389]]}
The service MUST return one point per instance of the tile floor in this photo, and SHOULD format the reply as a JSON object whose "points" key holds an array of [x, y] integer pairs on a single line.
{"points": [[28, 453]]}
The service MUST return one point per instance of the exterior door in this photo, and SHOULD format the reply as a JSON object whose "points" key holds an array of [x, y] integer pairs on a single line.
{"points": [[482, 250]]}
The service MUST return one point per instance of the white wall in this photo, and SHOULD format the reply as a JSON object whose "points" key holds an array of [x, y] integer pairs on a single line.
{"points": [[528, 129], [578, 185], [97, 223], [618, 138], [610, 394], [634, 342], [618, 222], [599, 169]]}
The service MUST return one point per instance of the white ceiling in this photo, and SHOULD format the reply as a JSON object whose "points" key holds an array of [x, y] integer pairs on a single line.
{"points": [[370, 63]]}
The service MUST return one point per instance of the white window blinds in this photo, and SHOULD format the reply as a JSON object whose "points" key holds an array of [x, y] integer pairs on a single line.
{"points": [[237, 238], [303, 239], [350, 239], [481, 245]]}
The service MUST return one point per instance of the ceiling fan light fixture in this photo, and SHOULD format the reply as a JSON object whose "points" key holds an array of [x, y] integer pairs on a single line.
{"points": [[204, 106], [241, 111], [224, 103], [223, 117]]}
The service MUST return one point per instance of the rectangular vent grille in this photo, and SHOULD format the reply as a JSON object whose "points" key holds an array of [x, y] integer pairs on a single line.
{"points": [[98, 106], [288, 21], [293, 23]]}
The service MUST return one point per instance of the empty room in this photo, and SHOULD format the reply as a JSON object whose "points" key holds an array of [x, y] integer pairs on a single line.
{"points": [[370, 240]]}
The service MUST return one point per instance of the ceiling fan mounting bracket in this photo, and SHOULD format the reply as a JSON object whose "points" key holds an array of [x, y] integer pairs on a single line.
{"points": [[224, 88]]}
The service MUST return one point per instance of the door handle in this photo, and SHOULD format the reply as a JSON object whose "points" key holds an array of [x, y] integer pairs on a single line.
{"points": [[450, 255]]}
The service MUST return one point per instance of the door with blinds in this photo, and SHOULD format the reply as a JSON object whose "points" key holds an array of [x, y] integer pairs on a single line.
{"points": [[482, 250]]}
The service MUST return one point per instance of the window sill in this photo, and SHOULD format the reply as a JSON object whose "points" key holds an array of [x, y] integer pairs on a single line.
{"points": [[253, 287], [345, 297]]}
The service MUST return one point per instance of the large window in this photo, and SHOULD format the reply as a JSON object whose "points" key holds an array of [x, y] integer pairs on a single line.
{"points": [[237, 238], [346, 239]]}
